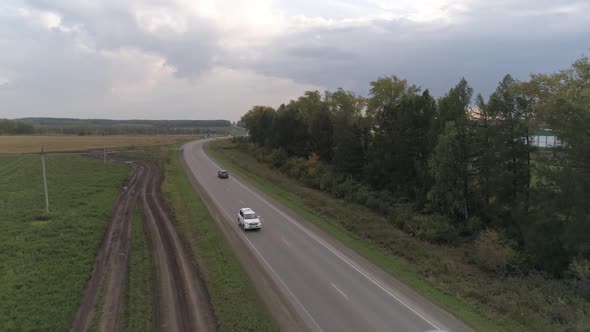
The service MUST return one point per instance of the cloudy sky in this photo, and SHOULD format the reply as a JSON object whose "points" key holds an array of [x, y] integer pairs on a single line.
{"points": [[208, 59]]}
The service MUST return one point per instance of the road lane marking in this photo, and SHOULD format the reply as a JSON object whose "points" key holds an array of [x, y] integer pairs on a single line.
{"points": [[327, 246], [341, 292], [285, 241], [267, 264]]}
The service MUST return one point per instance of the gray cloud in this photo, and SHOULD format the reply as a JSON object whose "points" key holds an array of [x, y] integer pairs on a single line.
{"points": [[101, 60], [114, 25], [517, 37]]}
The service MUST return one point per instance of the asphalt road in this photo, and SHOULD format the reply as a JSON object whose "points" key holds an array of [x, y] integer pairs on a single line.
{"points": [[331, 289]]}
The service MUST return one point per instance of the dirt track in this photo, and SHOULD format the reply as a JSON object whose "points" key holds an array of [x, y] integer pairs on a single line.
{"points": [[181, 302]]}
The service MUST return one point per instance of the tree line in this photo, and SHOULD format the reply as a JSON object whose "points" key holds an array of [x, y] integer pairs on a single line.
{"points": [[130, 123], [465, 162], [82, 127], [11, 127]]}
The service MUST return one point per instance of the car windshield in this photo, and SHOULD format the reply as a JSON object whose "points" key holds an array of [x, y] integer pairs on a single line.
{"points": [[250, 216], [223, 172]]}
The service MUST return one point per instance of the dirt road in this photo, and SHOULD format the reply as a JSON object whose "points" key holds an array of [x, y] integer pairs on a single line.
{"points": [[181, 302]]}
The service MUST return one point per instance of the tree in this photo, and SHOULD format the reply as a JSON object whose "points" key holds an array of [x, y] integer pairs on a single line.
{"points": [[448, 167], [399, 151], [290, 130], [349, 134], [512, 113], [483, 146], [259, 122], [559, 233], [450, 162], [318, 119], [11, 127]]}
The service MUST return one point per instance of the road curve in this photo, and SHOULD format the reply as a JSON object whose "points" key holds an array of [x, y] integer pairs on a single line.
{"points": [[330, 287]]}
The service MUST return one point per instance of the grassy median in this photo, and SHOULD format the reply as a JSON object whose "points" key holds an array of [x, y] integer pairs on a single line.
{"points": [[235, 302]]}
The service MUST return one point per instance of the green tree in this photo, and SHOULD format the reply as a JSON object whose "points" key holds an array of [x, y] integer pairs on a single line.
{"points": [[484, 159], [349, 135], [562, 213], [512, 113], [259, 122], [450, 162], [318, 119], [401, 145], [290, 130]]}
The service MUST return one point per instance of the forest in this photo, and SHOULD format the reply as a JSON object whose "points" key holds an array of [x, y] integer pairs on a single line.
{"points": [[464, 165]]}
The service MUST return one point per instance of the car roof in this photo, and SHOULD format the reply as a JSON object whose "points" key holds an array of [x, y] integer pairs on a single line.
{"points": [[222, 170], [247, 210]]}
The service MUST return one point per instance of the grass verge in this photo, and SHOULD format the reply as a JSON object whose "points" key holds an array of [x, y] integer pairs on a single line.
{"points": [[236, 305], [441, 274], [45, 259], [139, 292]]}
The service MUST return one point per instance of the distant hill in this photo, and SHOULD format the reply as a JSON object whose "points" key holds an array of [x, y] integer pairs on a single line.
{"points": [[108, 122]]}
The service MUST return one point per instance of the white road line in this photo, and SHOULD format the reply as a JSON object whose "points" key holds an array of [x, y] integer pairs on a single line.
{"points": [[341, 292], [327, 246], [268, 265], [285, 241]]}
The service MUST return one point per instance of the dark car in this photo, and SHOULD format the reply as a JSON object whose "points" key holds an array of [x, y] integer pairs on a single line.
{"points": [[222, 174]]}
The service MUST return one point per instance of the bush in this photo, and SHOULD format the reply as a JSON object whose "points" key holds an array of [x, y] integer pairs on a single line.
{"points": [[491, 251], [278, 157], [345, 189], [376, 203], [361, 195], [432, 228], [402, 215], [581, 270], [473, 225], [294, 168]]}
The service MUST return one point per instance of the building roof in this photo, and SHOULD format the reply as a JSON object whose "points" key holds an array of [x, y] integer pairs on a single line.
{"points": [[544, 132]]}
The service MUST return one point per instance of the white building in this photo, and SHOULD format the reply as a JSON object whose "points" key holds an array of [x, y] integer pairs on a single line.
{"points": [[545, 138]]}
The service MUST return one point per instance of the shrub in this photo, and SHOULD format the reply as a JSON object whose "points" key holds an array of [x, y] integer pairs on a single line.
{"points": [[278, 157], [260, 155], [432, 228], [345, 189], [361, 195], [491, 251], [376, 203], [315, 171], [402, 215], [294, 168], [473, 225], [581, 270], [372, 202], [326, 181]]}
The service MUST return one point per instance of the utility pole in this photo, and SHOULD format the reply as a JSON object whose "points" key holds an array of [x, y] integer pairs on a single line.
{"points": [[104, 155], [44, 180]]}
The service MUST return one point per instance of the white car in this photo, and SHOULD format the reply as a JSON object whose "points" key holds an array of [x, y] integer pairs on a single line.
{"points": [[247, 219]]}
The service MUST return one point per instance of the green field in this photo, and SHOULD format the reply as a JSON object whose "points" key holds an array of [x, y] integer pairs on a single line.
{"points": [[138, 308], [441, 274], [46, 259], [236, 305]]}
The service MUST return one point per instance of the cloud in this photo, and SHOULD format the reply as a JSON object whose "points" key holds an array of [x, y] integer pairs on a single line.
{"points": [[215, 59], [479, 40]]}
